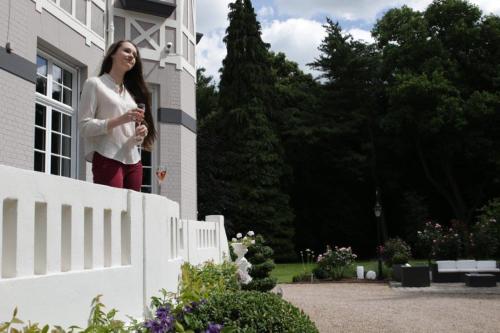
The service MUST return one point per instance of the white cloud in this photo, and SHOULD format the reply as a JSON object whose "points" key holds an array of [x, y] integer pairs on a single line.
{"points": [[297, 38], [211, 15], [361, 34], [265, 12], [365, 10], [210, 52]]}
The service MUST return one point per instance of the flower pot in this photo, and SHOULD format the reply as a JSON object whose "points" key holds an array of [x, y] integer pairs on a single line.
{"points": [[396, 272]]}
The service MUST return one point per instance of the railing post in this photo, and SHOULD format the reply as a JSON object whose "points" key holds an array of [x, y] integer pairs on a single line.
{"points": [[222, 245]]}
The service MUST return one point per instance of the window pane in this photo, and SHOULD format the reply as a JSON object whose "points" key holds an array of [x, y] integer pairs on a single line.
{"points": [[66, 167], [145, 157], [55, 168], [39, 161], [66, 146], [56, 144], [66, 124], [66, 5], [56, 73], [67, 79], [67, 96], [56, 121], [146, 176], [40, 115], [56, 92], [41, 65], [41, 85], [39, 138]]}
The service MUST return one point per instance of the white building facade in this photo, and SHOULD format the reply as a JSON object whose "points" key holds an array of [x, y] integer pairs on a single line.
{"points": [[48, 48]]}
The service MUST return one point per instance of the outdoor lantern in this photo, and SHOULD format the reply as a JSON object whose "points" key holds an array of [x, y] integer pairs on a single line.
{"points": [[378, 212], [377, 209]]}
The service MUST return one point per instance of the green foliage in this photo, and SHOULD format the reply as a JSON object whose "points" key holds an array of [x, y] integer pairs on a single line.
{"points": [[260, 256], [198, 282], [443, 243], [335, 261], [12, 326], [484, 239], [320, 273], [396, 251], [252, 312]]}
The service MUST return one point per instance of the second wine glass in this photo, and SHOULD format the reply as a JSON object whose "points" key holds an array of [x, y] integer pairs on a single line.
{"points": [[161, 174]]}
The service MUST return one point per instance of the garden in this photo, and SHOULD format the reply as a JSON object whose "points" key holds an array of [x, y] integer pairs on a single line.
{"points": [[211, 298], [435, 242]]}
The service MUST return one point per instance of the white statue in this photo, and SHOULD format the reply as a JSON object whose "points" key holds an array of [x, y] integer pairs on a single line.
{"points": [[243, 265]]}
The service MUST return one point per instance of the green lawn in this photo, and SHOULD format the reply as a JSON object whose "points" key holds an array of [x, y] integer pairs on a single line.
{"points": [[285, 272]]}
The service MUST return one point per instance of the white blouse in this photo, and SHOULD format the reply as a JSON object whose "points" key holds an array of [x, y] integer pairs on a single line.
{"points": [[101, 100]]}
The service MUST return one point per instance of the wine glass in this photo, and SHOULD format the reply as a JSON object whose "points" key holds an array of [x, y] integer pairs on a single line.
{"points": [[161, 174], [142, 107]]}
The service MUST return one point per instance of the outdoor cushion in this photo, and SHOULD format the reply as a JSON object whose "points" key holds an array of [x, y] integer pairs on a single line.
{"points": [[486, 264], [464, 265], [446, 264], [465, 270], [487, 270], [448, 270]]}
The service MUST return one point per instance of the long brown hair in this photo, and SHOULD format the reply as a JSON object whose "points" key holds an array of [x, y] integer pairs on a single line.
{"points": [[134, 82]]}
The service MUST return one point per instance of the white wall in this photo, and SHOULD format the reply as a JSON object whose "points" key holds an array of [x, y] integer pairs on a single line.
{"points": [[64, 241]]}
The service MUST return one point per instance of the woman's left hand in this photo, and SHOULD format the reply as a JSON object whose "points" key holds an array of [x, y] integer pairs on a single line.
{"points": [[140, 132]]}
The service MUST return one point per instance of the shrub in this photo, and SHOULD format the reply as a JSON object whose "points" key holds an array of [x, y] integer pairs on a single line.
{"points": [[396, 251], [484, 238], [489, 212], [260, 256], [335, 262], [449, 246], [440, 243], [319, 273], [197, 282], [251, 312]]}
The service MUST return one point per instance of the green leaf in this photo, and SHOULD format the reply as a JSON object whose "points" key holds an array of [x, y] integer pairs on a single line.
{"points": [[179, 327], [4, 327], [16, 321], [45, 329]]}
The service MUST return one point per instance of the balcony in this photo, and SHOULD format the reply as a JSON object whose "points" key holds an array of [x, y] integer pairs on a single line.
{"points": [[152, 7], [64, 241]]}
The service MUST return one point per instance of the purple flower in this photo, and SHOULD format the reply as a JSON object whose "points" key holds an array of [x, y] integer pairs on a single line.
{"points": [[214, 328], [163, 312], [154, 326]]}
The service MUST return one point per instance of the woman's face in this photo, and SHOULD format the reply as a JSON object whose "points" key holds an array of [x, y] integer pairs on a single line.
{"points": [[125, 57]]}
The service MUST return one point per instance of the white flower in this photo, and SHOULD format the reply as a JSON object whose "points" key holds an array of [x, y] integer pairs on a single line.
{"points": [[251, 233], [253, 241], [233, 240], [239, 235]]}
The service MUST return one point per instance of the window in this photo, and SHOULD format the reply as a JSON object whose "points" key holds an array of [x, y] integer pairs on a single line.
{"points": [[54, 117], [147, 171]]}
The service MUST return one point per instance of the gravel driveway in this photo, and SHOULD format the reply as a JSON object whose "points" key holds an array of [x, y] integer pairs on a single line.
{"points": [[363, 307]]}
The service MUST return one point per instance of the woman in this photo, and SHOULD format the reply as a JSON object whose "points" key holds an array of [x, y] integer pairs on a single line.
{"points": [[111, 122]]}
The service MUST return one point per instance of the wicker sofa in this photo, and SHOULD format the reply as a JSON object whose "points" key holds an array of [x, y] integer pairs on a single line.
{"points": [[455, 270]]}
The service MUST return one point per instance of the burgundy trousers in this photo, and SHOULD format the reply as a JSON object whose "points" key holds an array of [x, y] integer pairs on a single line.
{"points": [[116, 174]]}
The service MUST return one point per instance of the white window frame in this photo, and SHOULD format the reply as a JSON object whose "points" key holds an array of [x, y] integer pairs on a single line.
{"points": [[153, 89], [51, 104]]}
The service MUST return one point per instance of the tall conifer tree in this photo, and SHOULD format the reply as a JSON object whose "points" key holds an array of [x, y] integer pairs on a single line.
{"points": [[250, 152]]}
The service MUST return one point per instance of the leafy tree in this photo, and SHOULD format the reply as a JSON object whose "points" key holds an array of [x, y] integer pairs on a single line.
{"points": [[249, 166], [440, 83]]}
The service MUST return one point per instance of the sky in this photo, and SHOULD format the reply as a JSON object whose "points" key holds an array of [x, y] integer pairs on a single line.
{"points": [[295, 27]]}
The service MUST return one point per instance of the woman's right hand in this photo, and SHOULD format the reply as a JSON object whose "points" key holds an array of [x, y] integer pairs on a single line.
{"points": [[133, 115]]}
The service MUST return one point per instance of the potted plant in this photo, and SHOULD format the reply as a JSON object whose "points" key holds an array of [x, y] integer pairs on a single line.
{"points": [[396, 254]]}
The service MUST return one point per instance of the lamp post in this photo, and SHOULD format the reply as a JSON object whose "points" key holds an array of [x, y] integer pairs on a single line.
{"points": [[378, 212]]}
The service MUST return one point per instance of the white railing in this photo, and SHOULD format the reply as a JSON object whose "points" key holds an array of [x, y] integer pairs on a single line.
{"points": [[64, 241]]}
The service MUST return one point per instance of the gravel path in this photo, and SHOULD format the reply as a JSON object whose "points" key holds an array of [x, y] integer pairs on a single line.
{"points": [[360, 307]]}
